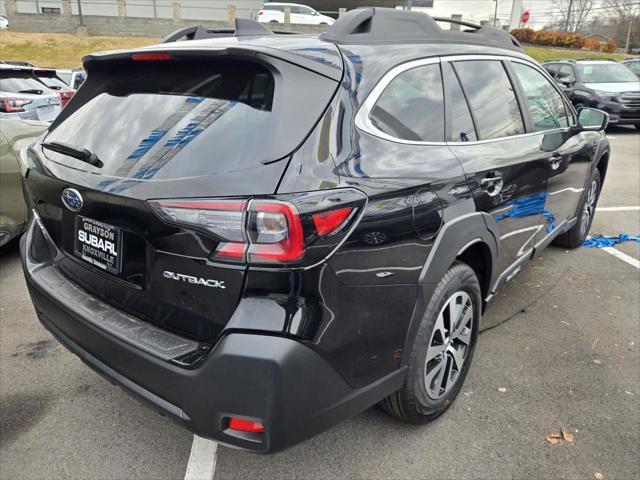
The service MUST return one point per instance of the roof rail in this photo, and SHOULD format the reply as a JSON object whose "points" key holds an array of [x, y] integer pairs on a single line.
{"points": [[560, 60], [389, 25], [596, 58], [244, 27], [574, 60]]}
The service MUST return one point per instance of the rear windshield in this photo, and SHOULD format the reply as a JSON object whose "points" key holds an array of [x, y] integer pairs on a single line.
{"points": [[52, 81], [169, 119], [19, 82]]}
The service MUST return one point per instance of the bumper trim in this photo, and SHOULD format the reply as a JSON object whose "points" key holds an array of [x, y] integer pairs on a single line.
{"points": [[110, 374]]}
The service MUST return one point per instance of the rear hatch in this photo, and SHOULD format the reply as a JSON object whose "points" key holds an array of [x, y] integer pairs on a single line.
{"points": [[189, 124], [22, 93]]}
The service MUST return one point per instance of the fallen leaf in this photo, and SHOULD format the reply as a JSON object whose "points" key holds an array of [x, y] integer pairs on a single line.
{"points": [[597, 361], [567, 435], [555, 435], [598, 476], [552, 440], [502, 389]]}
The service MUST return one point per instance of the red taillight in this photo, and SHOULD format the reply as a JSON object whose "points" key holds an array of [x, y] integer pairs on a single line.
{"points": [[65, 96], [270, 232], [11, 105], [261, 12], [275, 231], [328, 222], [151, 57], [245, 425]]}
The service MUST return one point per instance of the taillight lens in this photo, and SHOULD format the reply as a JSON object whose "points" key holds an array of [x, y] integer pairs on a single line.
{"points": [[261, 12], [10, 105], [65, 96], [275, 232], [270, 232]]}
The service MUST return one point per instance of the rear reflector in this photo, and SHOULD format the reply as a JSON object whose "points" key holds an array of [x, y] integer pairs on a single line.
{"points": [[151, 57], [328, 222], [245, 425]]}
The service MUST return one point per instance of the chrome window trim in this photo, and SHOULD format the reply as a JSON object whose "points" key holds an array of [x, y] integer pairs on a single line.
{"points": [[364, 123]]}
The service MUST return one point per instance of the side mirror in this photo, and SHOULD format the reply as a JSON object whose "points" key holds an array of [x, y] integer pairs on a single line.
{"points": [[592, 119], [566, 83]]}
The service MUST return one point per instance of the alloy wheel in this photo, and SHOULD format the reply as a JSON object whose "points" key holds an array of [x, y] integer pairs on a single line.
{"points": [[449, 345]]}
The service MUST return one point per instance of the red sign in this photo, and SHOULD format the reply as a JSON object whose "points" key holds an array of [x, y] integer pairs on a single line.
{"points": [[524, 18]]}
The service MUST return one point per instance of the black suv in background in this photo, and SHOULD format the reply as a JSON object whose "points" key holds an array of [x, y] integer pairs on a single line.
{"points": [[261, 235], [602, 84]]}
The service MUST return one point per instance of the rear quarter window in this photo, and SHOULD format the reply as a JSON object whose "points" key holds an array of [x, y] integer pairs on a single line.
{"points": [[411, 107]]}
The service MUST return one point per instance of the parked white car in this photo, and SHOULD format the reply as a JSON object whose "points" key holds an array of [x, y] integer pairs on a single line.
{"points": [[4, 23], [300, 14], [72, 77]]}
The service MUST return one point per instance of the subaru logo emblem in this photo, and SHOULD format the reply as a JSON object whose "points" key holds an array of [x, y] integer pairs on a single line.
{"points": [[72, 199]]}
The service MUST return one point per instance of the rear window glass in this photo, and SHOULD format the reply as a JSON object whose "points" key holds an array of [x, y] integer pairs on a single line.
{"points": [[179, 119], [19, 82], [412, 106], [52, 82], [462, 129], [492, 98]]}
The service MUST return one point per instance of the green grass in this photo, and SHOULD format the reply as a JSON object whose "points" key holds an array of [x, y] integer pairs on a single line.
{"points": [[60, 50], [546, 53]]}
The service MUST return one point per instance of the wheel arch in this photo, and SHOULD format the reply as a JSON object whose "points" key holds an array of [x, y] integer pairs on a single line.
{"points": [[471, 238], [602, 164]]}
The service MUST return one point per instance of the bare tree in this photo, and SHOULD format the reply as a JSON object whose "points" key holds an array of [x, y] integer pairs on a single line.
{"points": [[573, 13], [626, 15]]}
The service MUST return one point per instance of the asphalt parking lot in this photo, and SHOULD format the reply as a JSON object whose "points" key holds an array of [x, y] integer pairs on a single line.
{"points": [[560, 348]]}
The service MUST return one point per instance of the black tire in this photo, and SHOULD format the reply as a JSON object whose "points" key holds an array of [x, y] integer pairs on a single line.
{"points": [[413, 403], [577, 235], [274, 22]]}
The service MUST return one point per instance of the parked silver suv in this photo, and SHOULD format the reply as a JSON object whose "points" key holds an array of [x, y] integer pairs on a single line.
{"points": [[23, 96]]}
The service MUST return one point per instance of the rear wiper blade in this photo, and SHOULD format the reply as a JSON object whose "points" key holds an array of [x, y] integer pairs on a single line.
{"points": [[33, 90], [75, 152]]}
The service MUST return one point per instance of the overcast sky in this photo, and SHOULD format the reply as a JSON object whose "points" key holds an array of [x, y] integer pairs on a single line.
{"points": [[541, 11]]}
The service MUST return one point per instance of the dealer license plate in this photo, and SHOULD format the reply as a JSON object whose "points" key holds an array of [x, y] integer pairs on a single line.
{"points": [[99, 244]]}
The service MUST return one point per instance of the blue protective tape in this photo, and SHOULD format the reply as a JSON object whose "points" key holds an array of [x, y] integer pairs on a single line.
{"points": [[529, 206], [602, 242]]}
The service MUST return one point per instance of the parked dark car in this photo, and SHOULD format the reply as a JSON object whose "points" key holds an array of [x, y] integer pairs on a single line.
{"points": [[632, 64], [602, 84], [199, 218]]}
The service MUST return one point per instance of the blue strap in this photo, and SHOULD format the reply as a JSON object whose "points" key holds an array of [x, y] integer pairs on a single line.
{"points": [[602, 241]]}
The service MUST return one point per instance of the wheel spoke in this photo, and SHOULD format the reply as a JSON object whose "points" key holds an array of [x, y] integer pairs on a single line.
{"points": [[467, 316], [456, 356], [465, 336], [436, 371], [434, 351]]}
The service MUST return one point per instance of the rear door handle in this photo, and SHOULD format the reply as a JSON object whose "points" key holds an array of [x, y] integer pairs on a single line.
{"points": [[554, 161], [492, 183]]}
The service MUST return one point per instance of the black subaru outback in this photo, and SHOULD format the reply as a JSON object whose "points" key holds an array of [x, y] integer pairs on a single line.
{"points": [[261, 235]]}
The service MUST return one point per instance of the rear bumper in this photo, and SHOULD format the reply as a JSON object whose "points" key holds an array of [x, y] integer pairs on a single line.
{"points": [[276, 381]]}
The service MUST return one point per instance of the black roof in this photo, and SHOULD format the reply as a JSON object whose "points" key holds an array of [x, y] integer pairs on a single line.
{"points": [[387, 25]]}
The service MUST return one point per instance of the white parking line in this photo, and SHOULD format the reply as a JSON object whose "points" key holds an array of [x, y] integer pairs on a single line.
{"points": [[622, 256], [617, 209], [202, 461]]}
